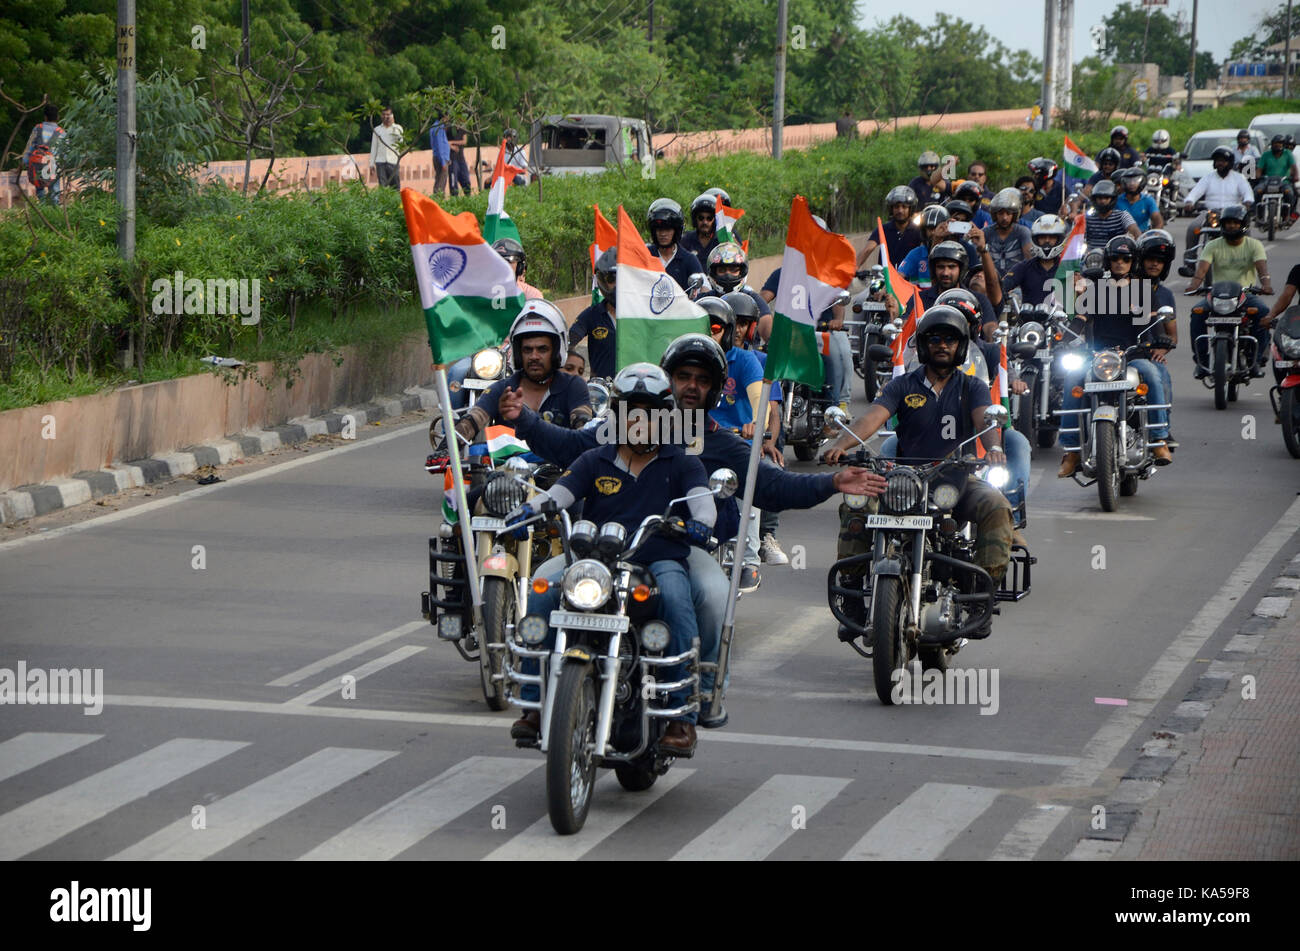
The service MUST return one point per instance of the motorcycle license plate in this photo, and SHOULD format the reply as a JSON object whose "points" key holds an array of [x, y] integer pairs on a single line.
{"points": [[481, 523], [573, 621], [477, 384], [1043, 355], [1221, 321], [1286, 363], [1099, 387], [899, 521], [873, 307]]}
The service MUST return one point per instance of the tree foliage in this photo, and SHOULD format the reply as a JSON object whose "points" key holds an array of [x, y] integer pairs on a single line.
{"points": [[1135, 35], [1271, 29]]}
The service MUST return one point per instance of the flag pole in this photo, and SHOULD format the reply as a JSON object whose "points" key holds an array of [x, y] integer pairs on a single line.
{"points": [[458, 485], [737, 560]]}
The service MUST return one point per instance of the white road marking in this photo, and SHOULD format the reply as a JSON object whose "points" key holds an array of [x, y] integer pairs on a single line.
{"points": [[235, 479], [38, 823], [29, 750], [766, 818], [1031, 832], [1092, 516], [612, 807], [334, 686], [924, 824], [870, 746], [392, 829], [244, 812], [296, 677]]}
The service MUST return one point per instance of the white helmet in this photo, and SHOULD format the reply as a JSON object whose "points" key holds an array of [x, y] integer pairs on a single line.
{"points": [[540, 317], [1008, 198], [1049, 225], [1160, 139]]}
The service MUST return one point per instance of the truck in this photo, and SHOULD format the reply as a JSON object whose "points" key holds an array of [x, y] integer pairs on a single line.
{"points": [[582, 144]]}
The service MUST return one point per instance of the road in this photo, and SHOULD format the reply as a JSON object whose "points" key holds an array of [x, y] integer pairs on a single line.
{"points": [[224, 732]]}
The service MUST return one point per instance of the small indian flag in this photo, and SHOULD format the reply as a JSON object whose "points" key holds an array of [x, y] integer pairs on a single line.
{"points": [[652, 309], [724, 225], [908, 296], [467, 290], [1071, 260], [496, 223], [1078, 166], [502, 443], [815, 267], [606, 238], [449, 499]]}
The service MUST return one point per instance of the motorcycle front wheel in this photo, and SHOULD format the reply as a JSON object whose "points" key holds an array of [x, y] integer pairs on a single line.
{"points": [[1107, 466], [889, 648], [1289, 414], [499, 611], [571, 759]]}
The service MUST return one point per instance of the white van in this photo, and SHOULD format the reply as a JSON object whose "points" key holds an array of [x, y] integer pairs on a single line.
{"points": [[1202, 144], [1276, 123]]}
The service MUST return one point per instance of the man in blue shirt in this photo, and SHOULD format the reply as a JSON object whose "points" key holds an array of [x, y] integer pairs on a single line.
{"points": [[1140, 206], [597, 322], [1028, 195], [441, 154]]}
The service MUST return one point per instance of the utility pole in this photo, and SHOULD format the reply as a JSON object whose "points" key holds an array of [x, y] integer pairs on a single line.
{"points": [[649, 26], [1191, 62], [125, 185], [778, 106], [1049, 61], [1065, 52], [1286, 56], [243, 46]]}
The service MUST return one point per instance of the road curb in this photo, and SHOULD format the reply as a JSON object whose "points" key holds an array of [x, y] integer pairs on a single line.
{"points": [[1143, 780], [28, 501]]}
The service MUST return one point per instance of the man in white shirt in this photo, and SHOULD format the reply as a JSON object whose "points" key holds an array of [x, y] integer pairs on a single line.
{"points": [[1218, 189], [385, 146]]}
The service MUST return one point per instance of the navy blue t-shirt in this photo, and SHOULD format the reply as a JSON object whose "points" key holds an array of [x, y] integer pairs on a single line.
{"points": [[1053, 196], [610, 494], [596, 324], [1034, 282], [898, 242], [1121, 329], [567, 393], [682, 266], [923, 417], [691, 242]]}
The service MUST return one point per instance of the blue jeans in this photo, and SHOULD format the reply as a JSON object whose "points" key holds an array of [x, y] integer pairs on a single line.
{"points": [[839, 367], [456, 373], [676, 607], [1150, 374], [1018, 452], [710, 589]]}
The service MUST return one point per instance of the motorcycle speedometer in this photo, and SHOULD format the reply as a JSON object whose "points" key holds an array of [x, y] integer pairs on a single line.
{"points": [[487, 364], [1106, 365], [587, 584]]}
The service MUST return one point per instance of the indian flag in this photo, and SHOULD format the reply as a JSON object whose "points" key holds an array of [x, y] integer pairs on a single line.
{"points": [[724, 224], [467, 290], [1078, 166], [502, 443], [652, 309], [815, 267], [1071, 257], [449, 499], [606, 238], [496, 223], [908, 296]]}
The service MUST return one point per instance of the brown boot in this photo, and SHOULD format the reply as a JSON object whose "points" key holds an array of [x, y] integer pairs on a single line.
{"points": [[679, 739], [1068, 465], [1162, 455], [527, 727]]}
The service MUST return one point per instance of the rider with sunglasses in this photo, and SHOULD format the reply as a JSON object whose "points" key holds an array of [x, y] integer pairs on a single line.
{"points": [[704, 238]]}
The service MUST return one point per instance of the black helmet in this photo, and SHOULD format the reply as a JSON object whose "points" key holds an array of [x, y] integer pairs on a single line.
{"points": [[704, 202], [938, 316], [643, 384], [1104, 189], [1121, 246], [702, 351], [726, 199], [1119, 130], [956, 206], [970, 193], [1243, 133], [1093, 263], [664, 212], [512, 251], [607, 272], [901, 195], [932, 216], [1223, 152], [1234, 213], [1043, 168], [949, 251], [1108, 155], [1127, 176], [1278, 140], [721, 314], [965, 302], [728, 253], [746, 309], [1290, 141], [1158, 244]]}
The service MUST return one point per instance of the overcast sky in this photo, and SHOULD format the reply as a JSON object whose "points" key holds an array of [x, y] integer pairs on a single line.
{"points": [[1219, 23]]}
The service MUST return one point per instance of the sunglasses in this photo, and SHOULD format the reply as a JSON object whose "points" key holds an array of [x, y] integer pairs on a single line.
{"points": [[943, 338], [716, 328], [705, 215]]}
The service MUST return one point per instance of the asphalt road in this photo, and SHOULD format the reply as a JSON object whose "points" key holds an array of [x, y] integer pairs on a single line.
{"points": [[224, 733]]}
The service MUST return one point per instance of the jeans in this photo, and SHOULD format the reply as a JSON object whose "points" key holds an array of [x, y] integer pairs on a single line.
{"points": [[676, 607], [456, 373], [1156, 393], [1018, 452], [839, 367], [458, 172], [1203, 346], [710, 588], [387, 174]]}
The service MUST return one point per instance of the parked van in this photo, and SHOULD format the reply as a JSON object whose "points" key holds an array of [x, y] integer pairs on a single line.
{"points": [[586, 144], [1276, 123]]}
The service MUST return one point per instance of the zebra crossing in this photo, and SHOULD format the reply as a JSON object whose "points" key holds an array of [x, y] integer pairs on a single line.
{"points": [[753, 825]]}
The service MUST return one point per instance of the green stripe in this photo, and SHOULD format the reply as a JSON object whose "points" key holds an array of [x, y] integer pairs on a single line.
{"points": [[460, 326], [644, 339], [496, 227], [793, 354]]}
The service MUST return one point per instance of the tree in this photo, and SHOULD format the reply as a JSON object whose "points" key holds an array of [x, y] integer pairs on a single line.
{"points": [[1271, 29], [1134, 35]]}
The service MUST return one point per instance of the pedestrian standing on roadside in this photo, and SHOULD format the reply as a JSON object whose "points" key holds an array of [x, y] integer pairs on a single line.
{"points": [[38, 157], [385, 150], [441, 154], [458, 171]]}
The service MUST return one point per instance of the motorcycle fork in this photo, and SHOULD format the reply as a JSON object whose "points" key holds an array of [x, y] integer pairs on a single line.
{"points": [[918, 565], [1045, 387], [553, 665]]}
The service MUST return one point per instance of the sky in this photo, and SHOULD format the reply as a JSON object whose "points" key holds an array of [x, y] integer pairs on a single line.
{"points": [[1219, 23]]}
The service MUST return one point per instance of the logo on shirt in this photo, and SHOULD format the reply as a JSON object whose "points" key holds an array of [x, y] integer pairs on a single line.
{"points": [[914, 400], [608, 485], [600, 333]]}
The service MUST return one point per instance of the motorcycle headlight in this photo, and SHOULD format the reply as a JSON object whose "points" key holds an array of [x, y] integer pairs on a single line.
{"points": [[532, 629], [855, 501], [502, 494], [1223, 305], [902, 491], [996, 476], [654, 636], [1032, 332], [1071, 362], [1288, 346], [487, 364], [598, 396], [946, 497], [1153, 179], [1106, 365], [587, 584]]}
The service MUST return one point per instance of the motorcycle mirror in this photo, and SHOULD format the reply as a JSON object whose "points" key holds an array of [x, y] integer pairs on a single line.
{"points": [[995, 415], [834, 416], [841, 298], [517, 464], [723, 483], [1165, 313], [695, 281]]}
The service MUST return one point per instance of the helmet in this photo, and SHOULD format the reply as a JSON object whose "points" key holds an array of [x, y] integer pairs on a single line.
{"points": [[704, 202], [1108, 155], [1290, 141], [942, 315], [1049, 225], [539, 317], [1278, 139], [1119, 130], [1126, 176], [643, 384], [901, 195], [728, 253], [721, 314], [966, 302], [726, 199], [1234, 213], [1008, 199], [512, 251], [607, 271], [1104, 189], [1159, 245], [1243, 133], [1121, 246], [1043, 168], [1093, 264], [664, 212], [949, 251], [933, 216], [746, 309], [927, 158], [1223, 152], [1160, 139], [955, 206], [699, 350], [970, 193]]}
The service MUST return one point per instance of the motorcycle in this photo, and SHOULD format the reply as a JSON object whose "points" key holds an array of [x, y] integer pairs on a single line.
{"points": [[805, 412], [600, 703], [871, 335], [1114, 422], [1273, 211], [1231, 350], [504, 564], [1285, 396], [1160, 187], [925, 596], [1057, 352], [1207, 232]]}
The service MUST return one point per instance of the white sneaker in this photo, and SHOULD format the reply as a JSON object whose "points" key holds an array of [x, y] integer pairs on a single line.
{"points": [[770, 551]]}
